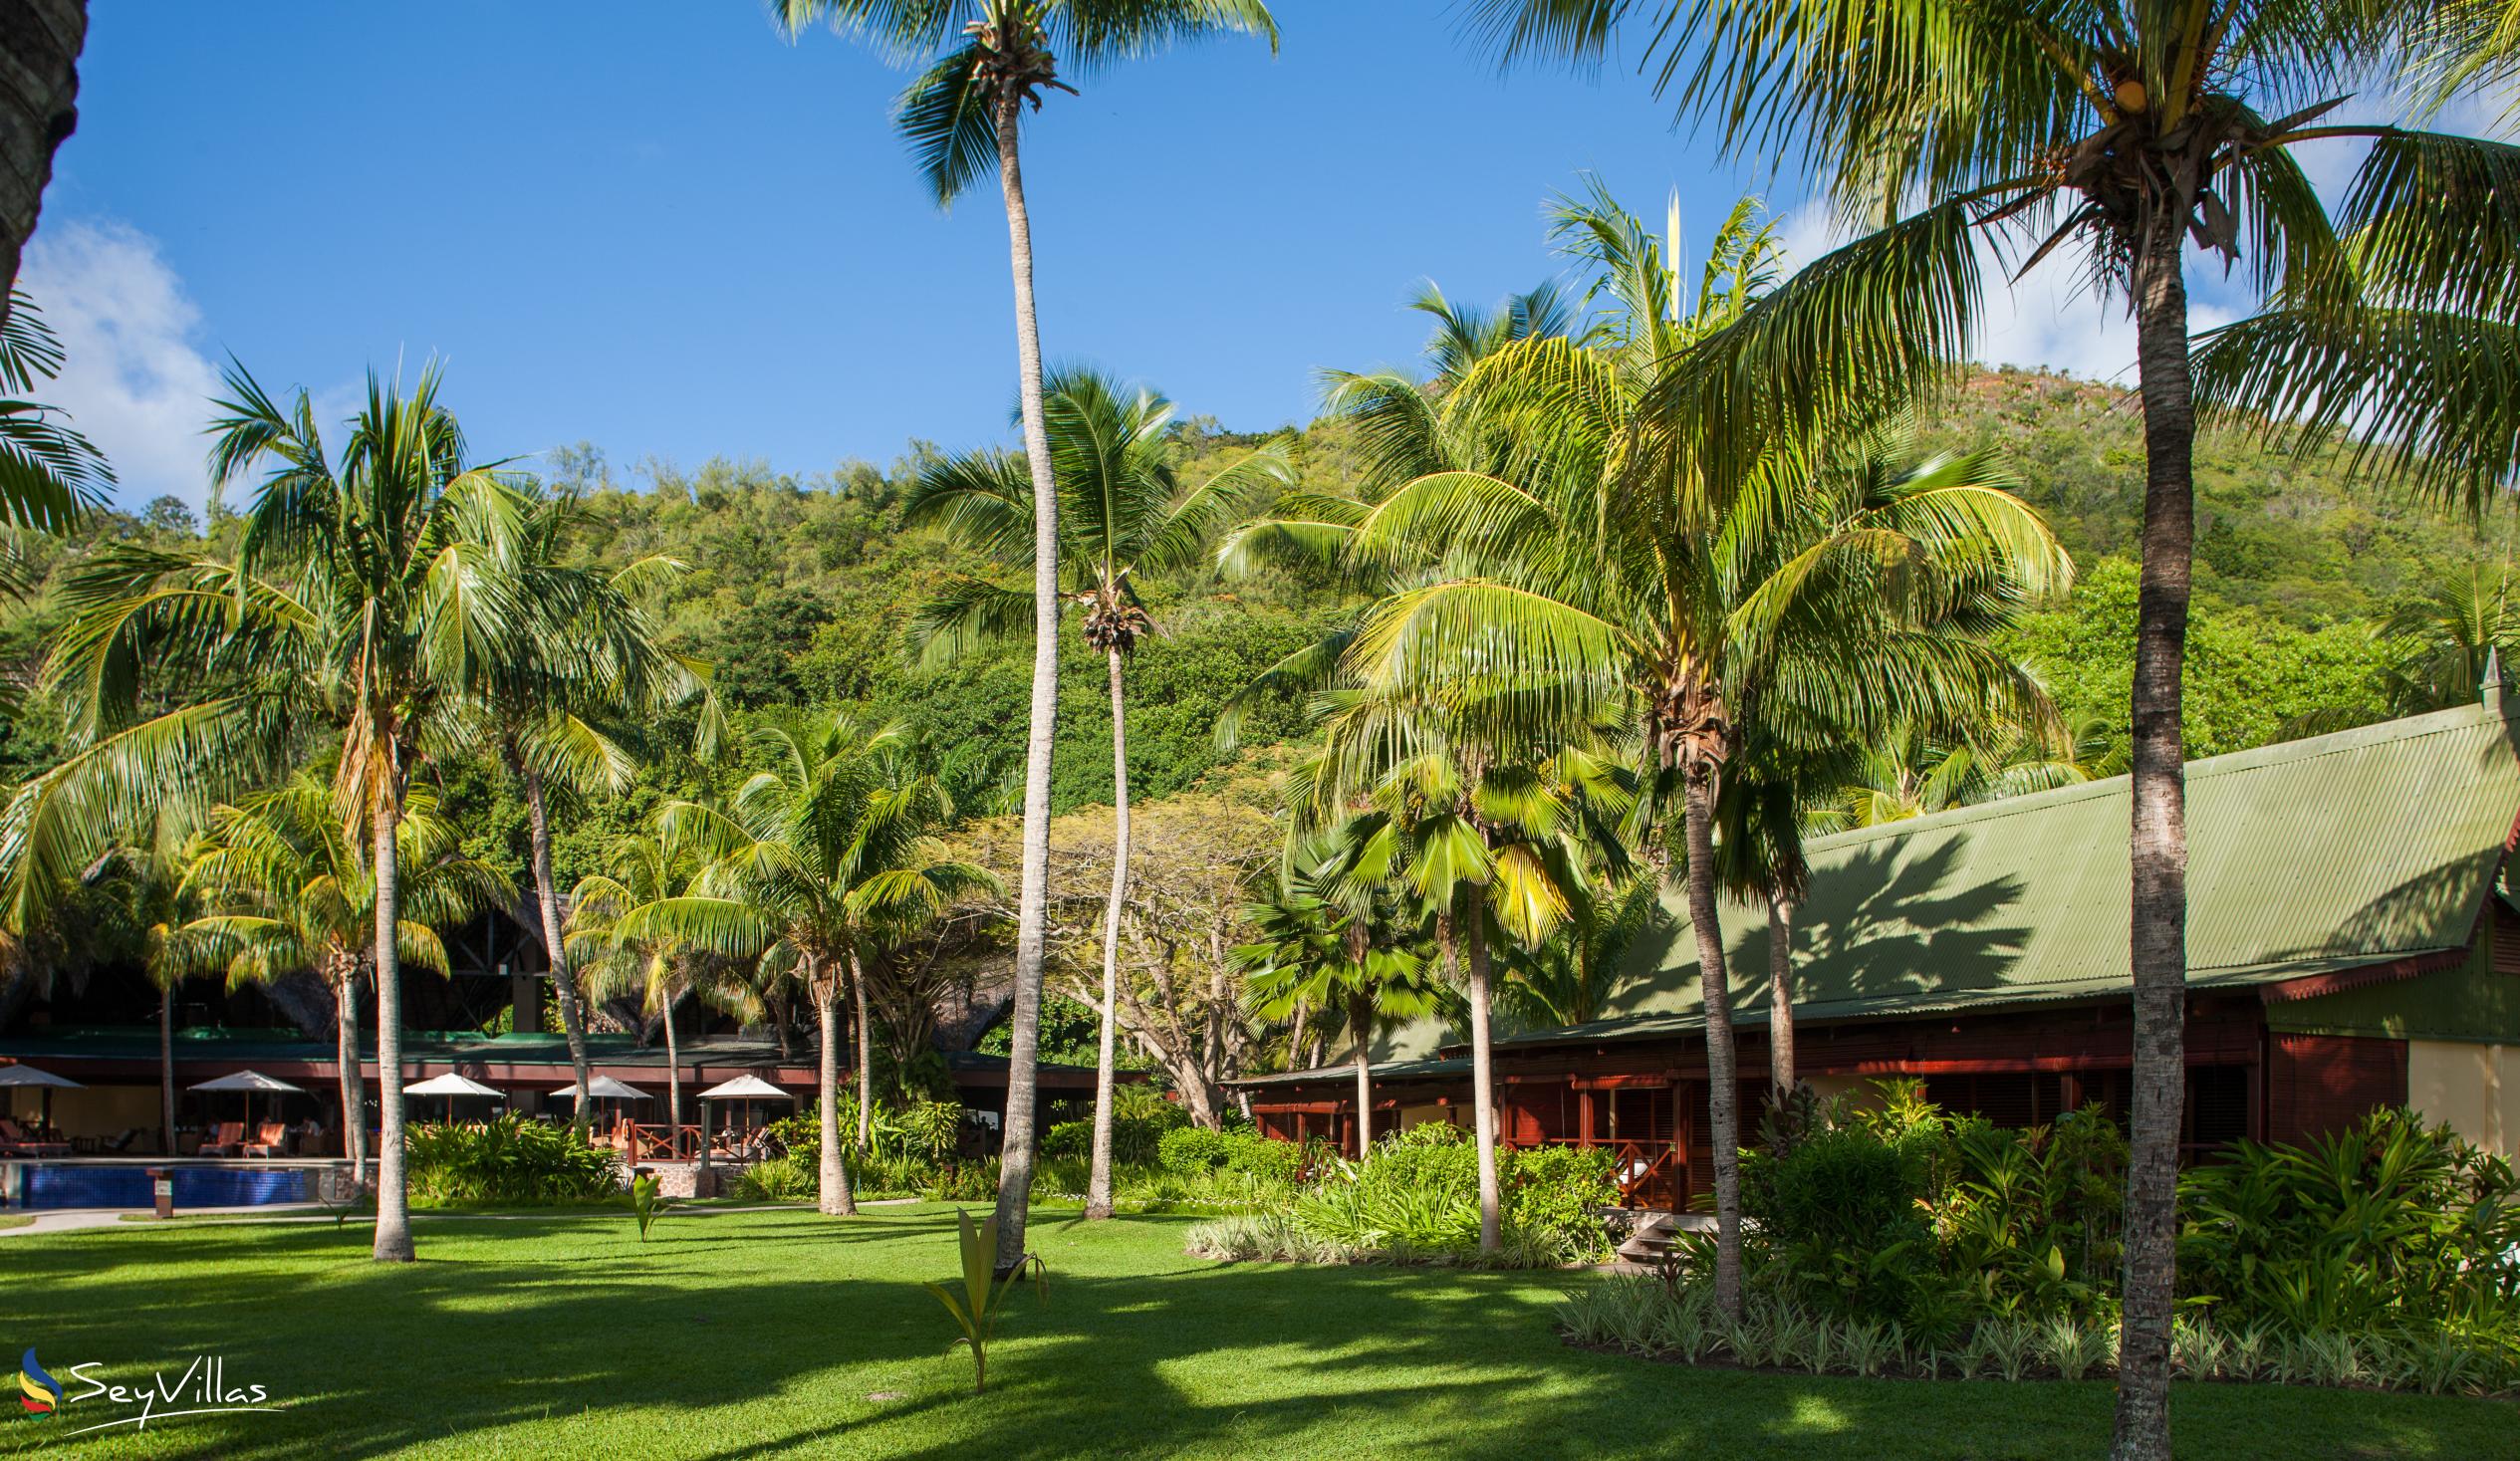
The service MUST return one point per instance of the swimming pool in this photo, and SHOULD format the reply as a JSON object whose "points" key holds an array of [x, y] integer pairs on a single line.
{"points": [[47, 1187]]}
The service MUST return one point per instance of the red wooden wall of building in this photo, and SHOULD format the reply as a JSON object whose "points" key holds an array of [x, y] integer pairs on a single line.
{"points": [[2316, 1084]]}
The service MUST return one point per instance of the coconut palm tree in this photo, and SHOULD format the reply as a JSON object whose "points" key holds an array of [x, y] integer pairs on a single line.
{"points": [[285, 887], [983, 64], [1128, 512], [593, 659], [1632, 572], [821, 861], [50, 475], [655, 969], [1484, 834], [2124, 133], [367, 592], [1329, 941]]}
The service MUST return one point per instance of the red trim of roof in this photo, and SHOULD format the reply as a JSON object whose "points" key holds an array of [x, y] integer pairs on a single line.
{"points": [[2312, 986]]}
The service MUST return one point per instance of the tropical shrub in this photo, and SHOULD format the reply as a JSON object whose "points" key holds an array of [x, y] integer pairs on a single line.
{"points": [[1415, 1199], [1188, 1151], [971, 1181], [933, 1132], [787, 1178], [508, 1161], [2388, 1226], [1903, 1213], [1141, 1119], [1646, 1315]]}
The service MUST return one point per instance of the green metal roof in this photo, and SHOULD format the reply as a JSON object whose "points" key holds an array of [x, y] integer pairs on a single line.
{"points": [[2334, 852], [1382, 1071]]}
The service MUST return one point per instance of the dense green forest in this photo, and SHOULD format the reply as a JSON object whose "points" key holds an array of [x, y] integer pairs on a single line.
{"points": [[800, 591]]}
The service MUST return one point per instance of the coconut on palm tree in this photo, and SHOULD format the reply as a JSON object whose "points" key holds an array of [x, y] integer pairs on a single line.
{"points": [[284, 889], [1128, 512], [984, 64], [368, 589], [2120, 136]]}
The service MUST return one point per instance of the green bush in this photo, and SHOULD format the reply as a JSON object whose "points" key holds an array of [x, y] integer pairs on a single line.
{"points": [[972, 1181], [508, 1161], [1188, 1150], [1415, 1197], [1554, 1196], [2388, 1226], [1141, 1119], [781, 1179]]}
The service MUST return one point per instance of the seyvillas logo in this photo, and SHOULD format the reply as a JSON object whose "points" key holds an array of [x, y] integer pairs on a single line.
{"points": [[38, 1392], [202, 1388]]}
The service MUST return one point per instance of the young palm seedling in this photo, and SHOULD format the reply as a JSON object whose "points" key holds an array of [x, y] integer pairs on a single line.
{"points": [[647, 1204], [984, 1296]]}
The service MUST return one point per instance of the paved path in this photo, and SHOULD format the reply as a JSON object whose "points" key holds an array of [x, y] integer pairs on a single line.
{"points": [[70, 1219]]}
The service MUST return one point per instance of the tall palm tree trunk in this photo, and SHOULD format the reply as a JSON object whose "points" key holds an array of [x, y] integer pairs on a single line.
{"points": [[1780, 991], [1098, 1186], [393, 1217], [834, 1197], [1015, 1171], [864, 1053], [353, 1091], [167, 1069], [1723, 1118], [2158, 847], [1483, 1069], [564, 982], [1361, 1029], [673, 1081], [38, 94]]}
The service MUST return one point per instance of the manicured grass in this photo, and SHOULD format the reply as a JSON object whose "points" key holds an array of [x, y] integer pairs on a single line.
{"points": [[764, 1334], [15, 1219]]}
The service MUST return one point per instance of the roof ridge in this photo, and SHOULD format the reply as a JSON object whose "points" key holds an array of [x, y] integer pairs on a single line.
{"points": [[2308, 748]]}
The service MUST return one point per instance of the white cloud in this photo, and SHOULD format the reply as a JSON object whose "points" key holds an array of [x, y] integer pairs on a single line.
{"points": [[134, 380], [2052, 317]]}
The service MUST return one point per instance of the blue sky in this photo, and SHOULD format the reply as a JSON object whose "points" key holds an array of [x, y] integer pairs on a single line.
{"points": [[654, 225]]}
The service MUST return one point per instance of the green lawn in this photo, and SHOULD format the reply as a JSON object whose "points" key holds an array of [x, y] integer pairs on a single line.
{"points": [[753, 1335]]}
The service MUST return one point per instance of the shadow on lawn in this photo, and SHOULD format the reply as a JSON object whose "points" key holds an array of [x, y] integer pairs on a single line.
{"points": [[1178, 1357]]}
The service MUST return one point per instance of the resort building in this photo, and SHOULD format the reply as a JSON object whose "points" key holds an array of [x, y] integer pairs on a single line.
{"points": [[2352, 944]]}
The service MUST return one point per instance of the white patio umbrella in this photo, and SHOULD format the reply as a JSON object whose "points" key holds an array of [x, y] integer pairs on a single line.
{"points": [[27, 1076], [249, 1082], [604, 1088], [746, 1088], [450, 1086]]}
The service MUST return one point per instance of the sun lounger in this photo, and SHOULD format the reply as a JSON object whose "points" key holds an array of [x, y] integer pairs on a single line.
{"points": [[274, 1141], [226, 1140], [21, 1145]]}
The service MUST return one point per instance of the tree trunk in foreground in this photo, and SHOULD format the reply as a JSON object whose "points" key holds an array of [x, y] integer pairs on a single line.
{"points": [[40, 42], [1723, 1095], [673, 1083], [353, 1091], [1097, 1185], [167, 1069], [834, 1197], [1483, 1069], [564, 981], [865, 1057], [394, 1215], [1361, 1030], [2157, 851], [1015, 1170], [1781, 992]]}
